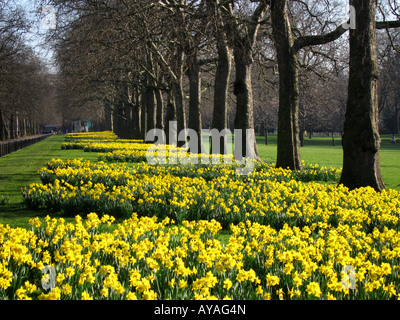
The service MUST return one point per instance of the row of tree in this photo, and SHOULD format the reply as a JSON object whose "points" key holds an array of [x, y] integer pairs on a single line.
{"points": [[140, 64], [27, 96]]}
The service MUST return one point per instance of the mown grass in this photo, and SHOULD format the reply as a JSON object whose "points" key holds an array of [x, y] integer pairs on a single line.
{"points": [[319, 150], [21, 168]]}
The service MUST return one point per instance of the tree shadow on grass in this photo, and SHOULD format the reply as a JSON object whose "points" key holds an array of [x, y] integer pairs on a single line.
{"points": [[18, 215], [15, 210]]}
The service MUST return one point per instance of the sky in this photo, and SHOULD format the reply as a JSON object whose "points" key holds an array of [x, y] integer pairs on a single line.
{"points": [[36, 37]]}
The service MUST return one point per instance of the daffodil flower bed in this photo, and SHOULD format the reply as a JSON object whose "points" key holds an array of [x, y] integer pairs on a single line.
{"points": [[103, 141], [289, 236], [97, 136], [106, 146], [148, 258], [268, 195]]}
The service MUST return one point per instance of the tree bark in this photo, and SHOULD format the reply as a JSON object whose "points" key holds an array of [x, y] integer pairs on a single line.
{"points": [[3, 129], [242, 42], [397, 117], [122, 120], [221, 87], [361, 139], [178, 95], [33, 127], [244, 119], [221, 82], [23, 127], [266, 135], [17, 125], [143, 115], [136, 114], [194, 101], [288, 151], [160, 110], [107, 116], [151, 108], [150, 94], [12, 127], [169, 118], [127, 121], [287, 47]]}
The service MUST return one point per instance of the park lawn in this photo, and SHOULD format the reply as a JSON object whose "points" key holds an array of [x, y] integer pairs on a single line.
{"points": [[319, 150], [20, 168]]}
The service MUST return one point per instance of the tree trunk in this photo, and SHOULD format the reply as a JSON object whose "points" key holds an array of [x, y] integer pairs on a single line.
{"points": [[151, 108], [221, 87], [287, 47], [17, 125], [136, 115], [178, 95], [128, 117], [288, 151], [244, 119], [397, 117], [361, 140], [20, 126], [34, 127], [303, 127], [143, 115], [302, 132], [119, 120], [160, 110], [107, 116], [12, 127], [194, 102], [3, 129], [170, 118], [242, 43]]}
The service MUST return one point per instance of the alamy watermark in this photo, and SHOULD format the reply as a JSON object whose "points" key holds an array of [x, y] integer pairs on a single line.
{"points": [[160, 153], [350, 21], [349, 278], [49, 277]]}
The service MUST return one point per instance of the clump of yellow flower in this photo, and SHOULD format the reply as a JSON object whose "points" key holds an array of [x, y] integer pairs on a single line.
{"points": [[268, 195], [147, 258], [285, 235]]}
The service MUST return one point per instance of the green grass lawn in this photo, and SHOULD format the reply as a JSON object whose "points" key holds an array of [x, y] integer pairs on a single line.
{"points": [[20, 168], [319, 150]]}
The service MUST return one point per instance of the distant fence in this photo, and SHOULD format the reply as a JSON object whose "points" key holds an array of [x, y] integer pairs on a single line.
{"points": [[7, 147]]}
